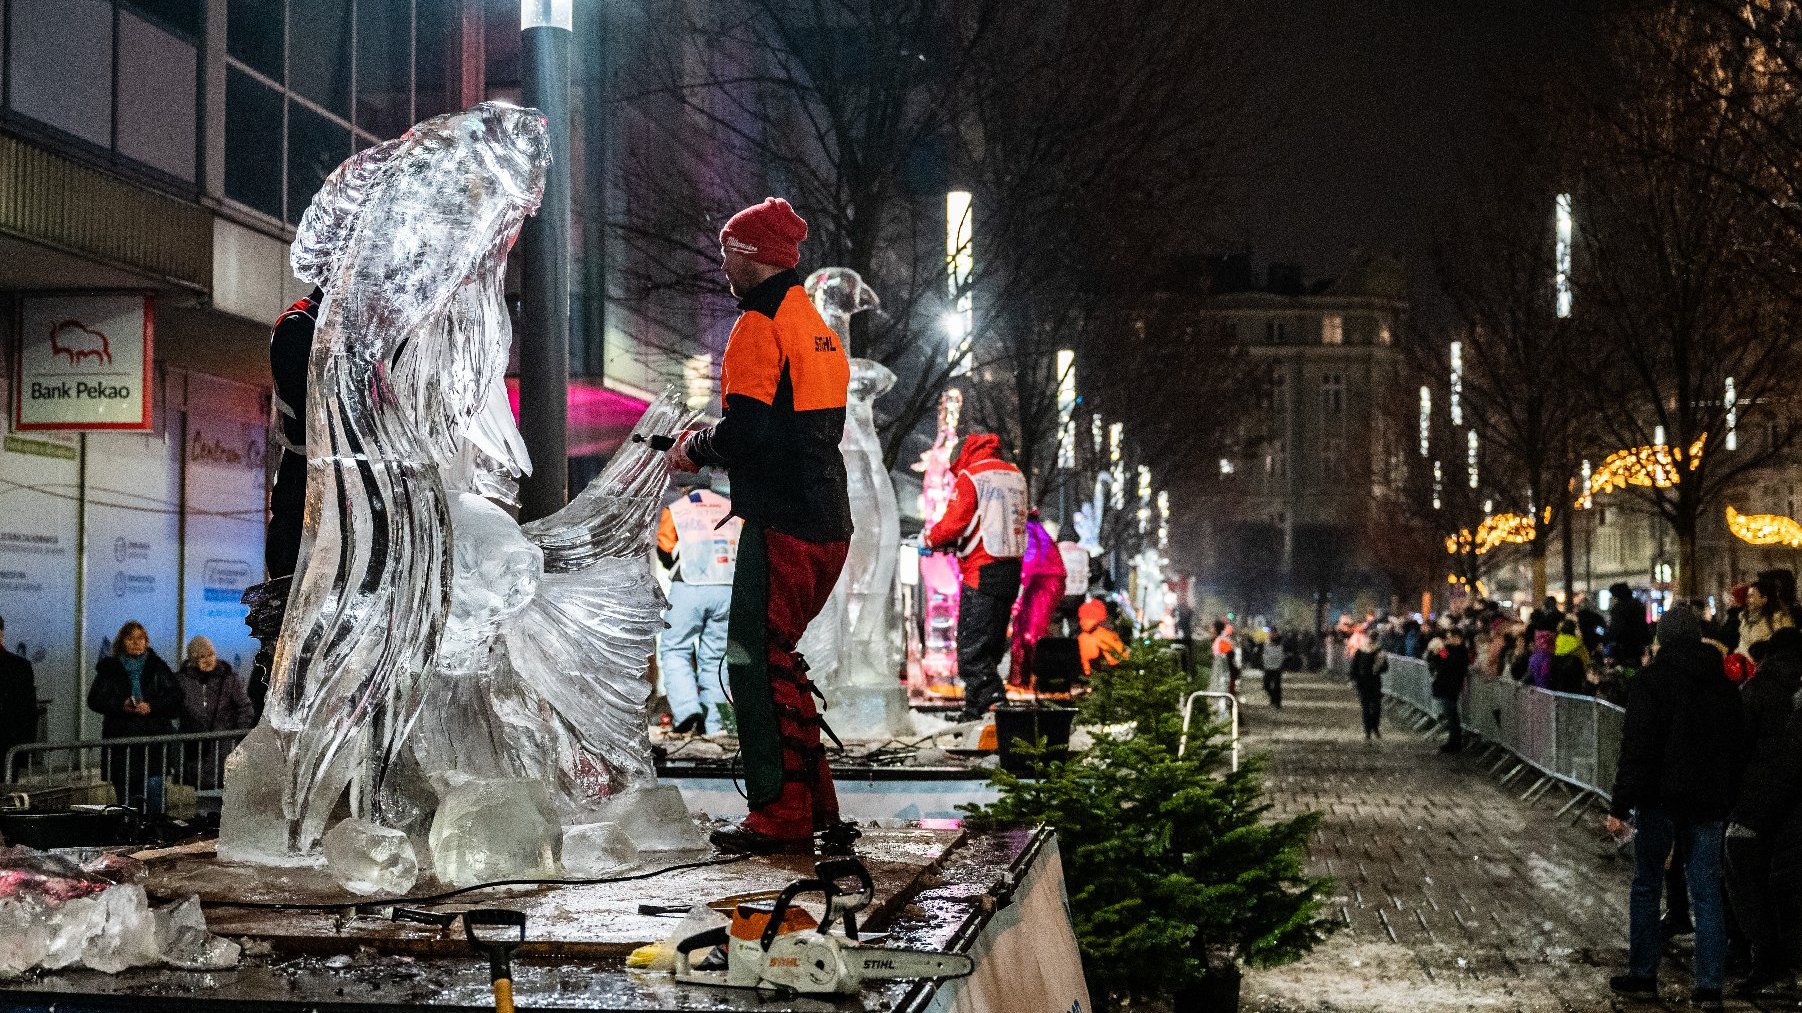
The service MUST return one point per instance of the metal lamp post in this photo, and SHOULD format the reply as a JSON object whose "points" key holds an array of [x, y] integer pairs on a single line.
{"points": [[547, 28]]}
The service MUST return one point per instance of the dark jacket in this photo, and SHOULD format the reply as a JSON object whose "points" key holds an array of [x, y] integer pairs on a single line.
{"points": [[111, 688], [1773, 774], [1450, 671], [1367, 669], [1628, 632], [18, 703], [290, 349], [213, 701], [1682, 742], [783, 382]]}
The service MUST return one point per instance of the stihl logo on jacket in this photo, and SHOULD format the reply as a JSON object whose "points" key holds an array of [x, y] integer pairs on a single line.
{"points": [[783, 382]]}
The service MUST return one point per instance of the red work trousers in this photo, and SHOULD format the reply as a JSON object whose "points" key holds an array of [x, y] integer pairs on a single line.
{"points": [[799, 577]]}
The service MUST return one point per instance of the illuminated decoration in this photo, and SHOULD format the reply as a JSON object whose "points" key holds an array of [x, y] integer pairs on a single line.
{"points": [[1426, 421], [1470, 459], [1116, 433], [1144, 500], [1460, 542], [1504, 529], [547, 14], [1457, 406], [1587, 500], [1438, 484], [1731, 400], [1066, 409], [1488, 507], [1226, 466], [1765, 529], [697, 381], [1095, 431], [1658, 434], [1656, 466], [1163, 519], [1562, 249], [960, 265]]}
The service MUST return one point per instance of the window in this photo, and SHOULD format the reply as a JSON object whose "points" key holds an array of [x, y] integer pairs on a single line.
{"points": [[1332, 329], [319, 39], [316, 144], [310, 81], [1332, 459], [253, 154], [1276, 459], [254, 35], [1332, 393], [384, 71]]}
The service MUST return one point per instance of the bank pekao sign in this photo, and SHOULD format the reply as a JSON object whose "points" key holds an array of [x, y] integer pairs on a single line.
{"points": [[83, 361]]}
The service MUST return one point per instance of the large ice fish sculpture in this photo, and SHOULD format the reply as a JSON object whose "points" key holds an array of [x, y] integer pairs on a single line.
{"points": [[431, 644], [853, 648]]}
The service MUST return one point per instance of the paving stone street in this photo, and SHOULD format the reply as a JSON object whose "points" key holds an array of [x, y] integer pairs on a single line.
{"points": [[1455, 894]]}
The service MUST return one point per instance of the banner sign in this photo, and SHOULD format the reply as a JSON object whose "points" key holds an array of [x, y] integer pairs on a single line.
{"points": [[84, 361]]}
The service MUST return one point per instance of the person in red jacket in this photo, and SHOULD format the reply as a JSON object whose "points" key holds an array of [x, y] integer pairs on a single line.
{"points": [[985, 522], [782, 388]]}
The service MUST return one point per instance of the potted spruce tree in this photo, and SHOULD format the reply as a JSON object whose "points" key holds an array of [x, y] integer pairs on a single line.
{"points": [[1177, 874]]}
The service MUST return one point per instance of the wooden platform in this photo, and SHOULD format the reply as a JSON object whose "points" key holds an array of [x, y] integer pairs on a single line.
{"points": [[591, 921]]}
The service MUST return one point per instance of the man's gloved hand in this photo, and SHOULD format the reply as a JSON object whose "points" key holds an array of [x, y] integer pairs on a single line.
{"points": [[678, 454]]}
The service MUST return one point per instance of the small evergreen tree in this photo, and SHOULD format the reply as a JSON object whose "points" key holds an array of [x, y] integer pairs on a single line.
{"points": [[1174, 869]]}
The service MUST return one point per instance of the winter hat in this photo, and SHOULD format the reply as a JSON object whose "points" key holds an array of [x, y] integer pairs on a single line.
{"points": [[769, 233], [1679, 626], [198, 646]]}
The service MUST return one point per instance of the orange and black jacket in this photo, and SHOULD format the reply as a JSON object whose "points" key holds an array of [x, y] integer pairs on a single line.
{"points": [[782, 384]]}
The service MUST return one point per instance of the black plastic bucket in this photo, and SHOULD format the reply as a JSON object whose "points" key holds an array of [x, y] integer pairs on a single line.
{"points": [[1016, 724]]}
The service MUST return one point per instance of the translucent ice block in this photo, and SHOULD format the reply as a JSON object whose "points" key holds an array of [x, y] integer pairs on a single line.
{"points": [[370, 860], [496, 829]]}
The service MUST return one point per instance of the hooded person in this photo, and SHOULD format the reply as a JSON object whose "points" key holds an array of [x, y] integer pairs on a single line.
{"points": [[784, 378], [985, 523], [1570, 662], [1099, 644], [1539, 663], [1682, 741], [1042, 578]]}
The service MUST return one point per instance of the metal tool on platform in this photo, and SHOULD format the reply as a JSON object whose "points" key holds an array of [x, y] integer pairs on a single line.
{"points": [[783, 947], [498, 947]]}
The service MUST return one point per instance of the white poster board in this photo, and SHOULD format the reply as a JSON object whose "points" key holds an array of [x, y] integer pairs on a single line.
{"points": [[40, 516], [224, 532], [83, 362]]}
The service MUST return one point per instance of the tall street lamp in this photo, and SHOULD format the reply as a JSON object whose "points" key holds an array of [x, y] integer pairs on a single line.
{"points": [[546, 27]]}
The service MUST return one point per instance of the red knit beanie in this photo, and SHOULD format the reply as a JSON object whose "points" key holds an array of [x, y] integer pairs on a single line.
{"points": [[769, 233]]}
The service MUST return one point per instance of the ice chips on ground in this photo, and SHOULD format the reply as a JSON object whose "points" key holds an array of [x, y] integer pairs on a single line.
{"points": [[655, 819], [371, 860], [593, 850], [56, 914], [493, 830]]}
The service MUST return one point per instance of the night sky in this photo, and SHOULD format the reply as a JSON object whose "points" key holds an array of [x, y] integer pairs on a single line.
{"points": [[1365, 115]]}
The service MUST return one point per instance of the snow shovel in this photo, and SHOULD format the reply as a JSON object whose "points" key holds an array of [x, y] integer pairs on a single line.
{"points": [[499, 947]]}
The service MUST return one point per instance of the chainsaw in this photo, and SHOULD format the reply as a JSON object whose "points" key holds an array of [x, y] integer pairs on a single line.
{"points": [[781, 946]]}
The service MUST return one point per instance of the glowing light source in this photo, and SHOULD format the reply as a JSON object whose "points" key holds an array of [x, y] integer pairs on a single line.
{"points": [[1655, 466], [1438, 484], [960, 265], [1456, 405], [1731, 400], [1562, 249], [1587, 500], [1163, 519], [1470, 459], [1095, 431], [1144, 500], [1503, 529], [1426, 421], [547, 14], [1066, 409], [1116, 433], [1765, 529]]}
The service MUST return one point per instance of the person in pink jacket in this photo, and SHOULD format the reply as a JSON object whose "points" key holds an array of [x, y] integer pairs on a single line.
{"points": [[1041, 589]]}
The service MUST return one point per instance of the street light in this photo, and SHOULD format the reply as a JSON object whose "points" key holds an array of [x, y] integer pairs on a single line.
{"points": [[546, 28]]}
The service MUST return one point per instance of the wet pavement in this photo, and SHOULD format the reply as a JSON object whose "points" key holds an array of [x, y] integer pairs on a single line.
{"points": [[1453, 893]]}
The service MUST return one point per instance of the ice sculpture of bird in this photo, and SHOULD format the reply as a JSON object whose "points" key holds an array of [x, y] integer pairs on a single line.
{"points": [[428, 632]]}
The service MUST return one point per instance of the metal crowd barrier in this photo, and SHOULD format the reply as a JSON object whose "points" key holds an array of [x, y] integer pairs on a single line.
{"points": [[1565, 738], [139, 769]]}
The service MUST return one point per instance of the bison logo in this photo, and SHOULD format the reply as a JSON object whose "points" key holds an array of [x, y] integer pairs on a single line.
{"points": [[78, 341]]}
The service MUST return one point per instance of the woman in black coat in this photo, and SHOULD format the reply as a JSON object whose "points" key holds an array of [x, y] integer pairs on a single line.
{"points": [[135, 694]]}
